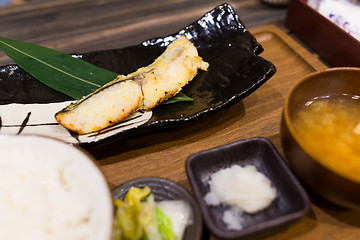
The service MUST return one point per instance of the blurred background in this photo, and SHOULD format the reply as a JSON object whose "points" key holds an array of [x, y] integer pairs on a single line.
{"points": [[14, 2]]}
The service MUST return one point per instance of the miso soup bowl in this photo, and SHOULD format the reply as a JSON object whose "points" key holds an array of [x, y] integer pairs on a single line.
{"points": [[331, 184]]}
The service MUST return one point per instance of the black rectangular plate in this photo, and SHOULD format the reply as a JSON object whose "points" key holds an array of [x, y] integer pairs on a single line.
{"points": [[221, 38], [290, 205]]}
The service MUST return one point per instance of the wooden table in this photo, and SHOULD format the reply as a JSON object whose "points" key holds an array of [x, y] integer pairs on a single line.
{"points": [[81, 25]]}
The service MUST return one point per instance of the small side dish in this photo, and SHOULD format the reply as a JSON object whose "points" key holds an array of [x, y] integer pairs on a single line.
{"points": [[139, 216], [156, 208], [266, 215]]}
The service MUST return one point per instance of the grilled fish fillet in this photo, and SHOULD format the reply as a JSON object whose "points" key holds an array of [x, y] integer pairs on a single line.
{"points": [[142, 90]]}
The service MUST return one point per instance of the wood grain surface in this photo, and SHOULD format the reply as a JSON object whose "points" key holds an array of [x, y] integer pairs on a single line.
{"points": [[75, 26]]}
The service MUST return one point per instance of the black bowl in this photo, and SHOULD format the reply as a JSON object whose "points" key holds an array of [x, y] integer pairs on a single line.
{"points": [[290, 205], [164, 189]]}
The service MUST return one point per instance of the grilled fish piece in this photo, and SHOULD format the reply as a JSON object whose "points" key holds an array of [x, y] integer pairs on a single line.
{"points": [[142, 90]]}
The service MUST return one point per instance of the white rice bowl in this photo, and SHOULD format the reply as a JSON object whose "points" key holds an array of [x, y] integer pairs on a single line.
{"points": [[51, 190]]}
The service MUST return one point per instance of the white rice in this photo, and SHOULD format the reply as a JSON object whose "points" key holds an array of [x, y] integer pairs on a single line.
{"points": [[49, 190]]}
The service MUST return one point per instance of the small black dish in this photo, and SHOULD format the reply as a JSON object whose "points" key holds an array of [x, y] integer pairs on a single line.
{"points": [[164, 189], [290, 205]]}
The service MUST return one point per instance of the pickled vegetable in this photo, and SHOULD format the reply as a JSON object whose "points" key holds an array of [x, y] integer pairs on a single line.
{"points": [[139, 218]]}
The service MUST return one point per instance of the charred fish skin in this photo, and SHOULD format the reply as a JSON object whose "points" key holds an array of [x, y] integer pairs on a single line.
{"points": [[142, 90]]}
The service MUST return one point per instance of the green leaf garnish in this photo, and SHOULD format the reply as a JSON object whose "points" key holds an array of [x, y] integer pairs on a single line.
{"points": [[71, 76], [62, 72], [180, 97]]}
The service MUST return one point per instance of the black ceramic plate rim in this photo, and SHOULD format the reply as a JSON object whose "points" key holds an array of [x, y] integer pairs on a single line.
{"points": [[143, 181], [267, 225], [235, 26]]}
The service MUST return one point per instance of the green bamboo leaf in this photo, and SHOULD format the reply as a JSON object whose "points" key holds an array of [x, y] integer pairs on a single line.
{"points": [[180, 97], [62, 72]]}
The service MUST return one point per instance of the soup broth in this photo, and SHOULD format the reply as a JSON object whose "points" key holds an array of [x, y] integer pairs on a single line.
{"points": [[331, 127]]}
